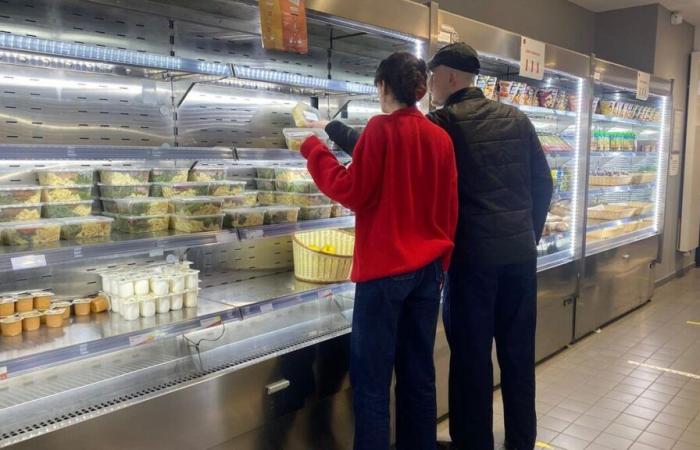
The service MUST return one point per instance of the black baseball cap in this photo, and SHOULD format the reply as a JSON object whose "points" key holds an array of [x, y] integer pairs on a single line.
{"points": [[458, 56]]}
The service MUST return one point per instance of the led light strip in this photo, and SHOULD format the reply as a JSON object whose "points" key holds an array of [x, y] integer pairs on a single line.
{"points": [[661, 169], [577, 159], [270, 76]]}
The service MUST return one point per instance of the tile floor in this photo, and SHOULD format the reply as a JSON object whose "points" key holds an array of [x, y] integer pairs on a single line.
{"points": [[634, 385]]}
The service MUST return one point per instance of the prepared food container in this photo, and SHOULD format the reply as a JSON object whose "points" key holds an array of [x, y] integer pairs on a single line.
{"points": [[24, 233], [61, 210], [186, 189], [295, 137], [140, 224], [292, 198], [147, 306], [266, 197], [298, 186], [265, 184], [281, 214], [196, 206], [291, 173], [65, 177], [315, 212], [143, 206], [244, 217], [120, 176], [18, 213], [197, 224], [169, 174], [31, 321], [340, 211], [25, 302], [191, 298], [303, 114], [225, 188], [7, 305], [11, 326], [86, 228], [246, 199], [267, 172], [20, 195], [205, 173], [52, 194], [129, 309], [54, 318], [124, 190]]}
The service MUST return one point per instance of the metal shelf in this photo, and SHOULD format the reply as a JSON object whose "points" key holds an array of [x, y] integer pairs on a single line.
{"points": [[599, 190], [602, 245], [612, 223], [113, 153], [536, 110], [623, 121], [254, 233], [624, 154], [560, 154], [566, 195]]}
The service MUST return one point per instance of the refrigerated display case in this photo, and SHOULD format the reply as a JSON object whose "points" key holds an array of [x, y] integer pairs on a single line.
{"points": [[628, 160]]}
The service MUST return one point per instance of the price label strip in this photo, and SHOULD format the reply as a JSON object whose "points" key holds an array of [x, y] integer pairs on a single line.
{"points": [[141, 339], [28, 262], [211, 322]]}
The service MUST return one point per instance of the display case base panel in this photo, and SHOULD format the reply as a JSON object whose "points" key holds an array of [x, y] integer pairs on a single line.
{"points": [[615, 282]]}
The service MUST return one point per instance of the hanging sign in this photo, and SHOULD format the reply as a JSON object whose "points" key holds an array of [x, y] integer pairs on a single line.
{"points": [[643, 79], [283, 25], [531, 58]]}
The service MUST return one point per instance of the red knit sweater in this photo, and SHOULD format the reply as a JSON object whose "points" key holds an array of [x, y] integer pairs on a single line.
{"points": [[402, 186]]}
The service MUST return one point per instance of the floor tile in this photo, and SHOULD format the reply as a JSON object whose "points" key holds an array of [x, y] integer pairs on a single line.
{"points": [[644, 413], [581, 432], [665, 430], [570, 442], [624, 431], [633, 421], [564, 414], [546, 435], [674, 421], [613, 442], [655, 440], [650, 404], [553, 423], [592, 422]]}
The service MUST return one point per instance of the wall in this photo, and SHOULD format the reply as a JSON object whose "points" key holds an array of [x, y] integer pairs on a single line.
{"points": [[674, 43], [557, 22], [628, 36]]}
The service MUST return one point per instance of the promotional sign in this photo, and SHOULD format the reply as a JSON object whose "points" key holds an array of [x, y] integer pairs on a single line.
{"points": [[531, 58], [643, 79], [283, 25]]}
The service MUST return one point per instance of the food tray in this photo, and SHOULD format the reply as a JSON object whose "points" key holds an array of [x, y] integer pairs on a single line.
{"points": [[196, 206], [610, 212], [244, 217], [143, 206], [610, 180], [225, 188], [641, 208], [265, 184], [169, 174], [295, 137], [23, 233], [303, 114], [266, 197], [120, 176], [197, 224], [140, 224], [20, 195], [247, 199], [267, 172], [291, 173], [65, 177], [20, 213], [281, 214], [124, 191], [52, 194], [298, 186], [294, 199], [68, 209], [340, 211], [647, 177], [86, 228], [315, 212], [203, 173], [186, 189]]}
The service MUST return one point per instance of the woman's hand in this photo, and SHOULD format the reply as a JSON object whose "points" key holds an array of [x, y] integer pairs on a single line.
{"points": [[318, 124]]}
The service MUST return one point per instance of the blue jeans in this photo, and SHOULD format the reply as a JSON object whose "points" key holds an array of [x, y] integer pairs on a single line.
{"points": [[393, 329]]}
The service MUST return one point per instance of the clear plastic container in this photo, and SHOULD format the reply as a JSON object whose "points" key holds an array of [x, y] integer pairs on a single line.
{"points": [[267, 172], [178, 283], [52, 194], [20, 195], [187, 189], [144, 206], [265, 184], [24, 233], [207, 173], [192, 279], [20, 213], [66, 177], [124, 190], [140, 224], [129, 309], [315, 212], [291, 173], [124, 287], [115, 303], [121, 176], [340, 211], [177, 301], [169, 174], [191, 298], [86, 228], [295, 137], [245, 200], [266, 197], [197, 224], [196, 206], [147, 306], [142, 285], [61, 210], [244, 217], [163, 304], [303, 114], [226, 188], [281, 214], [160, 285], [298, 186], [294, 199]]}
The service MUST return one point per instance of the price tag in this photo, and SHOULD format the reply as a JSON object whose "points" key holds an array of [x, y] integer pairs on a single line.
{"points": [[531, 58], [266, 308], [226, 238], [155, 253], [211, 322], [78, 252], [70, 153], [141, 339], [325, 294], [643, 80], [3, 373], [253, 234], [28, 262], [83, 349]]}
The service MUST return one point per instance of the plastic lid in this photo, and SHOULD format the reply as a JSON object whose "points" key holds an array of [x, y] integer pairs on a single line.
{"points": [[229, 182], [124, 169], [70, 186], [87, 219], [135, 200], [125, 185], [75, 202], [131, 218], [260, 209], [208, 216], [21, 188], [280, 208], [5, 300], [66, 169], [30, 224], [55, 312], [10, 319], [184, 183], [61, 304], [81, 301], [26, 205], [209, 168], [296, 132], [202, 199], [30, 314], [317, 207]]}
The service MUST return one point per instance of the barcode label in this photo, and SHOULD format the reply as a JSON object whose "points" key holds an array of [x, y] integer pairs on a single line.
{"points": [[28, 262]]}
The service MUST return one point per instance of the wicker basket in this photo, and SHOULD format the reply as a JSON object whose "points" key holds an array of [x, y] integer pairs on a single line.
{"points": [[317, 267], [610, 180], [610, 212]]}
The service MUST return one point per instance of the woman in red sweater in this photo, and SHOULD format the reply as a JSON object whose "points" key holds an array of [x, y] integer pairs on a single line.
{"points": [[402, 186]]}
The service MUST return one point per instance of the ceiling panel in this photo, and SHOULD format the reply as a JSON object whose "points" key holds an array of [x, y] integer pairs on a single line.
{"points": [[689, 8]]}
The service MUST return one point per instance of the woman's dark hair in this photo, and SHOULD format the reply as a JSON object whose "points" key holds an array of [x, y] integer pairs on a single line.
{"points": [[404, 75]]}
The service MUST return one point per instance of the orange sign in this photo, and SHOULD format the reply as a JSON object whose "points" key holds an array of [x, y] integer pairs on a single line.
{"points": [[283, 25]]}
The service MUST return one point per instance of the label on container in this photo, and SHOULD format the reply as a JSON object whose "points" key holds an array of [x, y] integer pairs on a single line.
{"points": [[83, 349], [531, 58], [643, 80], [28, 262], [141, 339], [211, 322]]}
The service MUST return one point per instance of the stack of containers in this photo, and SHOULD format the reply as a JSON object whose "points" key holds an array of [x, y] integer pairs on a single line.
{"points": [[295, 187], [20, 214], [157, 289]]}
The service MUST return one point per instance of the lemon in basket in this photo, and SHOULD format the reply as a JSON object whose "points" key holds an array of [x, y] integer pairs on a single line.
{"points": [[329, 249]]}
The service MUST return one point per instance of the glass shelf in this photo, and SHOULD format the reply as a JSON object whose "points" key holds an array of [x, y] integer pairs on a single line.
{"points": [[624, 154], [599, 118], [599, 190]]}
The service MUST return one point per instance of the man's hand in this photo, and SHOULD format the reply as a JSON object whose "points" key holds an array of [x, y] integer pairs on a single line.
{"points": [[318, 124]]}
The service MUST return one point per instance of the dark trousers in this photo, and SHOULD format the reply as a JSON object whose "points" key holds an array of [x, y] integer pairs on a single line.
{"points": [[393, 329], [483, 303]]}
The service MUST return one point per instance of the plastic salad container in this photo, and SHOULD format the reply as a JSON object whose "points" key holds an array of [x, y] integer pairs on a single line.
{"points": [[52, 194], [18, 213], [223, 188], [120, 176], [141, 224], [281, 214], [266, 197], [244, 217], [65, 177], [20, 195], [86, 228], [265, 184], [267, 172], [169, 174], [245, 200], [124, 190], [196, 206], [303, 114], [205, 173], [292, 173], [291, 198], [340, 211], [315, 212], [60, 210], [186, 189], [23, 233], [295, 137], [197, 224], [298, 186], [144, 206]]}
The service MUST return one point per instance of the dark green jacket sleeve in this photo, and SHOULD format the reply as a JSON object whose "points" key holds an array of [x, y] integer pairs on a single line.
{"points": [[344, 136]]}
